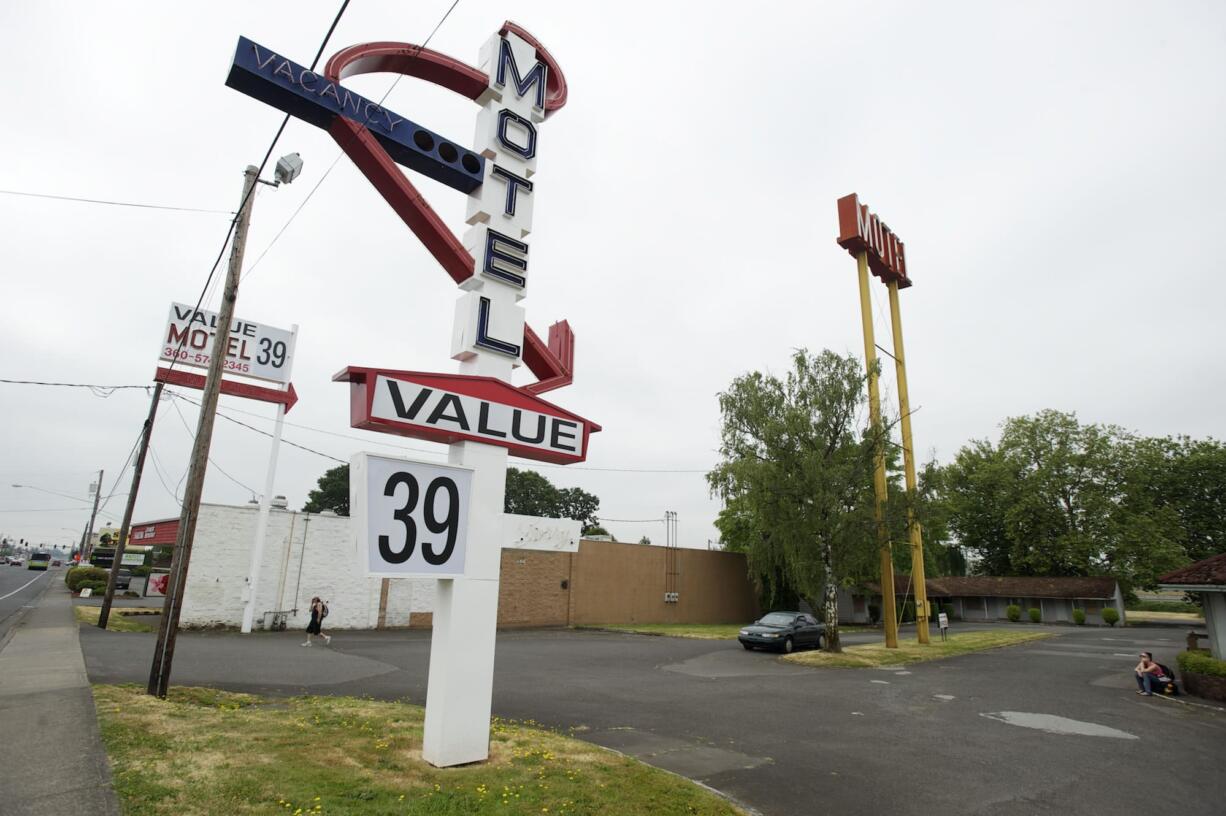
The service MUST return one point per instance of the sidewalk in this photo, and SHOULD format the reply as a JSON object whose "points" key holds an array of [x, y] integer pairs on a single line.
{"points": [[52, 757]]}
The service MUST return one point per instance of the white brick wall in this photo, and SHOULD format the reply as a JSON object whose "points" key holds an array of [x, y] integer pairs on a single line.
{"points": [[308, 554], [305, 554]]}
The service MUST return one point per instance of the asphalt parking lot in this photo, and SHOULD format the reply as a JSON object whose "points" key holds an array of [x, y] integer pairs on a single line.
{"points": [[1052, 726]]}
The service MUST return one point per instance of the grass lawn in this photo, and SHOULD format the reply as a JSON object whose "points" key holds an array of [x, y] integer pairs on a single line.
{"points": [[703, 631], [117, 621], [1140, 617], [876, 654], [207, 752]]}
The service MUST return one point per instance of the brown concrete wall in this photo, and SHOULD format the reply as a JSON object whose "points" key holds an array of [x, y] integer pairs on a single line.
{"points": [[531, 591], [625, 583]]}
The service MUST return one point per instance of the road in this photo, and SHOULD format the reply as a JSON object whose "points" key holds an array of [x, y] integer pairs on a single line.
{"points": [[19, 589], [972, 734]]}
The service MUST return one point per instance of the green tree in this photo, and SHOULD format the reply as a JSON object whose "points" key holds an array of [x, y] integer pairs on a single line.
{"points": [[331, 494], [1188, 478], [796, 480], [1058, 497], [531, 494]]}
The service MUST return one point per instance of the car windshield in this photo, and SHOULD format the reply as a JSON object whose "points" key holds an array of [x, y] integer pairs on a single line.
{"points": [[777, 619]]}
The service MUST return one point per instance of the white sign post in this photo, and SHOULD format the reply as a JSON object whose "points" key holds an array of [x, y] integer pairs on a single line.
{"points": [[487, 340], [943, 620], [282, 352]]}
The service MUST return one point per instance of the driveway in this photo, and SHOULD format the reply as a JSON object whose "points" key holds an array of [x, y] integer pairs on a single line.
{"points": [[1052, 726]]}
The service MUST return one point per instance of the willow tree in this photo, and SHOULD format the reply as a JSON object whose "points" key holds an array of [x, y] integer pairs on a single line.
{"points": [[796, 479]]}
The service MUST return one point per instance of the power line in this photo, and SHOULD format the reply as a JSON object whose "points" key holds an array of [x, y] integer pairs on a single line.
{"points": [[102, 391], [157, 468], [247, 195], [122, 471], [113, 203], [436, 452], [340, 154], [629, 521], [192, 436], [42, 510], [262, 432]]}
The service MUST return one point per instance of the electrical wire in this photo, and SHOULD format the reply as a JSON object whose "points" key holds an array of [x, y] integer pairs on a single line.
{"points": [[114, 203], [157, 468], [102, 391], [340, 154], [260, 431], [122, 471], [629, 521], [191, 435], [247, 195], [42, 510]]}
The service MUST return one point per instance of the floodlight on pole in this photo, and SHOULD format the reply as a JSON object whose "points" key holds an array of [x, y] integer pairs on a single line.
{"points": [[289, 167]]}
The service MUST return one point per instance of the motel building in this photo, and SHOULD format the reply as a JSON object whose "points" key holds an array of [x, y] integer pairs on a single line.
{"points": [[549, 576]]}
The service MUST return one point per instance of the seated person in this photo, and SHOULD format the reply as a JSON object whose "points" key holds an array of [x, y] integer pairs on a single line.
{"points": [[1149, 675]]}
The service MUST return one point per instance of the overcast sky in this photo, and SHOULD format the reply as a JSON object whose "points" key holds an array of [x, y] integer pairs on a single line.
{"points": [[1055, 169]]}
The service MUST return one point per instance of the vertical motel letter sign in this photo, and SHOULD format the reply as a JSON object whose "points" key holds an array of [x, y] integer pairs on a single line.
{"points": [[413, 512]]}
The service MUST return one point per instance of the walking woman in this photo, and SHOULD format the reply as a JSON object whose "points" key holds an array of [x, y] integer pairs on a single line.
{"points": [[319, 611]]}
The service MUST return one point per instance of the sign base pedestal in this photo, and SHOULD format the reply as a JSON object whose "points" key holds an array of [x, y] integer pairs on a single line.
{"points": [[459, 696]]}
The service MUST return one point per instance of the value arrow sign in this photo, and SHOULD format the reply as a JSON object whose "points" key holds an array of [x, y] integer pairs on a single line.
{"points": [[187, 379], [451, 408]]}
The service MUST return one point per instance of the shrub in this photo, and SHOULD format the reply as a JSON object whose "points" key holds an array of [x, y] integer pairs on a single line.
{"points": [[1079, 617], [874, 613], [948, 609], [1036, 615], [908, 612], [95, 586], [1200, 662], [78, 576], [1110, 616], [1013, 612]]}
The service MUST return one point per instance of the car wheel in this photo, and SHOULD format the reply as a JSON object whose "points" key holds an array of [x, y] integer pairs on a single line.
{"points": [[821, 643], [788, 645], [748, 647]]}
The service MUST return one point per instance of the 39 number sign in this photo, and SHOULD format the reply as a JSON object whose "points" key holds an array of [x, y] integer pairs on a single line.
{"points": [[409, 517]]}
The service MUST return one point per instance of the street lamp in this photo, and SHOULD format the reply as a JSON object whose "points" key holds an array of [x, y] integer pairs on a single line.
{"points": [[53, 492]]}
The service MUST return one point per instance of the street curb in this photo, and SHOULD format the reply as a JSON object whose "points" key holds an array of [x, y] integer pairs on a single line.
{"points": [[1206, 706]]}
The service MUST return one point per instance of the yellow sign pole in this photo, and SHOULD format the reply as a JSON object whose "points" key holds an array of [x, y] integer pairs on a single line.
{"points": [[879, 484], [913, 526]]}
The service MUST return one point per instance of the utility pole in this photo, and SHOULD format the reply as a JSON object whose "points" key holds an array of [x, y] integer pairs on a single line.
{"points": [[87, 547], [879, 481], [126, 524], [164, 651]]}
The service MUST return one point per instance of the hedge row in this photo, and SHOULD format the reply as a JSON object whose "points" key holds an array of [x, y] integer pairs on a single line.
{"points": [[1200, 662]]}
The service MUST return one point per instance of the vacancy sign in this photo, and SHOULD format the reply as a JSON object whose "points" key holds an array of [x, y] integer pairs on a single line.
{"points": [[451, 408], [409, 517], [255, 350]]}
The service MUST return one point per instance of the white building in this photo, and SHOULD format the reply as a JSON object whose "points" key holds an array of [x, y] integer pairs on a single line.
{"points": [[309, 554]]}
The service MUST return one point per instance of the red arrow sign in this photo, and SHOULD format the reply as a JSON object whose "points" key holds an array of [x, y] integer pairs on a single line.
{"points": [[187, 379], [455, 407]]}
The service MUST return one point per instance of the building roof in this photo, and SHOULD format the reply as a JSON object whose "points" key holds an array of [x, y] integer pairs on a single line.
{"points": [[1209, 572], [991, 586]]}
